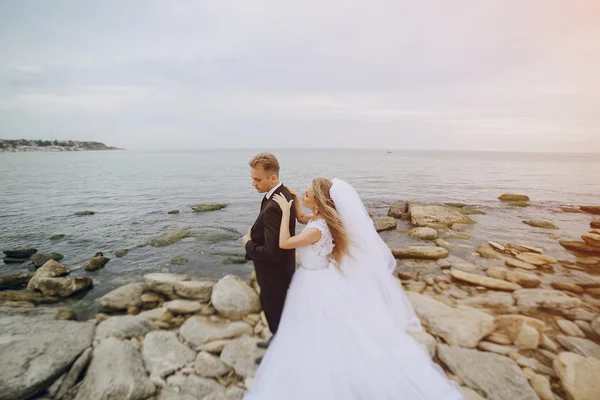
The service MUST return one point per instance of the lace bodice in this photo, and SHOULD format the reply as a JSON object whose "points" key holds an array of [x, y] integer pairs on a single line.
{"points": [[316, 255]]}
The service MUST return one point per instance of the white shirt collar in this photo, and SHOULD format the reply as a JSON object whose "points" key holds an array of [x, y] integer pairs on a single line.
{"points": [[270, 193]]}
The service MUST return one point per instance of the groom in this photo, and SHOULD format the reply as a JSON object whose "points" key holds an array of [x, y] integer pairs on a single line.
{"points": [[274, 267]]}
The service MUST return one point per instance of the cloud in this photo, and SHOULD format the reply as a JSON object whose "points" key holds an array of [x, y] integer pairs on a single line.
{"points": [[145, 74]]}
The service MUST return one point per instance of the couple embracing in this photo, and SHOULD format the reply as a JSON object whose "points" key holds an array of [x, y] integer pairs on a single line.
{"points": [[340, 319]]}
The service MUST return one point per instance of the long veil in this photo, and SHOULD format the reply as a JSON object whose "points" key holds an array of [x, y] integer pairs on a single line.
{"points": [[370, 263]]}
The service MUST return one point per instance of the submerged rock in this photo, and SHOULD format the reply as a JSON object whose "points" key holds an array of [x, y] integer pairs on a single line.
{"points": [[541, 224], [169, 238], [173, 212], [41, 258], [179, 260], [208, 207], [15, 280], [80, 213], [121, 253], [58, 236], [518, 204]]}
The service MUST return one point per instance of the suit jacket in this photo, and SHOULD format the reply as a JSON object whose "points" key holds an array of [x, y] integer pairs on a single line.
{"points": [[263, 247]]}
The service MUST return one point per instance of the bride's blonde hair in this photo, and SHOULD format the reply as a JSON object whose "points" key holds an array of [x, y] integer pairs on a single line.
{"points": [[326, 208]]}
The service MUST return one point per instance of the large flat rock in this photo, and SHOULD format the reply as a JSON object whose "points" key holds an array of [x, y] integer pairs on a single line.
{"points": [[499, 377], [35, 352], [462, 326], [115, 372], [424, 215]]}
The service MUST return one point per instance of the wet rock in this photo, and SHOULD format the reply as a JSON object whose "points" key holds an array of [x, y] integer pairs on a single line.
{"points": [[423, 233], [121, 253], [96, 263], [115, 372], [241, 354], [518, 204], [234, 298], [23, 254], [497, 376], [463, 326], [385, 224], [42, 258], [591, 209], [484, 281], [173, 212], [513, 197], [444, 244], [578, 375], [123, 297], [455, 205], [59, 287], [571, 210], [541, 224], [458, 236], [514, 263], [200, 330], [35, 352], [421, 252], [164, 354], [26, 296], [595, 224], [470, 211], [169, 238], [208, 207], [397, 209], [15, 281], [179, 260], [486, 251], [82, 213], [58, 236]]}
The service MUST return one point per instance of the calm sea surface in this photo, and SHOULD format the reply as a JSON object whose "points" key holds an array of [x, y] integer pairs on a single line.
{"points": [[131, 192]]}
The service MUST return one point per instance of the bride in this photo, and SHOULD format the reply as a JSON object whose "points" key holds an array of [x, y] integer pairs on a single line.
{"points": [[342, 334]]}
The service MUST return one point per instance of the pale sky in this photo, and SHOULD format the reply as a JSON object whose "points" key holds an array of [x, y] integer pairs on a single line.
{"points": [[504, 75]]}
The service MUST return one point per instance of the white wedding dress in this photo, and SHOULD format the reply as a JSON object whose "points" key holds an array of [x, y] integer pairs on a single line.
{"points": [[340, 337]]}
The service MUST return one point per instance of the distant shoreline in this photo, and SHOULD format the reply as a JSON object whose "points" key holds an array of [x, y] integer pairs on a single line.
{"points": [[51, 146]]}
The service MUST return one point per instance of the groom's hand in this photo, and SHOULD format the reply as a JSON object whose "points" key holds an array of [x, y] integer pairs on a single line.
{"points": [[246, 237]]}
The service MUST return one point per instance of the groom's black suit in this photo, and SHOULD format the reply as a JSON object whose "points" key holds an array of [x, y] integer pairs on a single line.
{"points": [[274, 267]]}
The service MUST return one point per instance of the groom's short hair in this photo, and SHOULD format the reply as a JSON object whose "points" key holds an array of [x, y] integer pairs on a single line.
{"points": [[267, 161]]}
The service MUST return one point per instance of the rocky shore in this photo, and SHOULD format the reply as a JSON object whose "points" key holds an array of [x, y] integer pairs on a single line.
{"points": [[516, 323], [24, 146]]}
